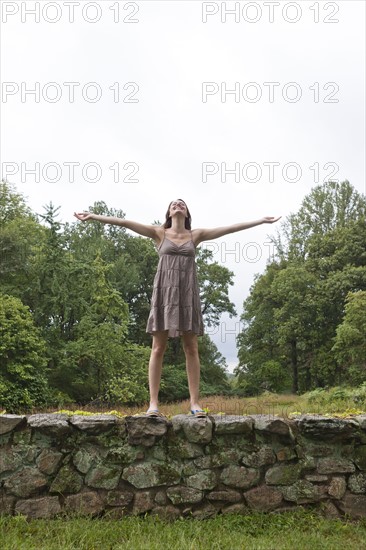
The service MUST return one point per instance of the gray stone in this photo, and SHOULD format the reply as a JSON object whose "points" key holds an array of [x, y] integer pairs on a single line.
{"points": [[123, 453], [55, 425], [286, 453], [354, 505], [357, 483], [232, 424], [48, 461], [314, 478], [180, 448], [303, 492], [143, 430], [166, 513], [203, 462], [360, 457], [95, 424], [26, 482], [222, 458], [9, 422], [337, 487], [103, 476], [330, 510], [88, 503], [206, 479], [9, 460], [315, 449], [225, 496], [36, 508], [240, 476], [334, 465], [271, 424], [119, 498], [328, 428], [196, 430], [184, 495], [237, 509], [261, 457], [66, 481], [189, 469], [150, 474], [142, 503], [85, 458], [6, 505], [263, 498], [361, 420], [22, 437], [157, 453], [205, 511], [283, 474], [307, 463], [117, 512], [161, 498]]}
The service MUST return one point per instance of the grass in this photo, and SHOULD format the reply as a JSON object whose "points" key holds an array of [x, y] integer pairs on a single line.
{"points": [[335, 401], [299, 530]]}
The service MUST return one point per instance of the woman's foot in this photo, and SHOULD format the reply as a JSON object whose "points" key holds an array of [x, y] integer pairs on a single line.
{"points": [[153, 410], [196, 410], [154, 413]]}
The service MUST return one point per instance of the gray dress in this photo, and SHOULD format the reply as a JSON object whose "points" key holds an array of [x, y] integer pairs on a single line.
{"points": [[175, 303]]}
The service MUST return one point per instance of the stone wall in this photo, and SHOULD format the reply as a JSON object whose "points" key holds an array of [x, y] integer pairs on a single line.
{"points": [[55, 463]]}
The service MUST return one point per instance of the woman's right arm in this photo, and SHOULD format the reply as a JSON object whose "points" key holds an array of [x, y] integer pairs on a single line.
{"points": [[152, 231]]}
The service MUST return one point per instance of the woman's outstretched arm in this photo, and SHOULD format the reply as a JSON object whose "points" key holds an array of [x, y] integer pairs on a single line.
{"points": [[152, 231], [216, 232]]}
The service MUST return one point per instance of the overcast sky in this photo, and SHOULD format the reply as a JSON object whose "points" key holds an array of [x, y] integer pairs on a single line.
{"points": [[133, 107]]}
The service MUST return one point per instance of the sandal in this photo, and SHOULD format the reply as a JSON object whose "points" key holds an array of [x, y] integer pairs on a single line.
{"points": [[154, 413], [199, 413]]}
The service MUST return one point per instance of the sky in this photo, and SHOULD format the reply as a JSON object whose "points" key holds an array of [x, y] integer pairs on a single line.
{"points": [[239, 108]]}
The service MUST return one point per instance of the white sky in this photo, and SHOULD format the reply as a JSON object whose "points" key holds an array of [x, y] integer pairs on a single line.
{"points": [[169, 132]]}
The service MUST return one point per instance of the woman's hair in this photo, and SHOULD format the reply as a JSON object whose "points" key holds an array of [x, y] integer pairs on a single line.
{"points": [[168, 219]]}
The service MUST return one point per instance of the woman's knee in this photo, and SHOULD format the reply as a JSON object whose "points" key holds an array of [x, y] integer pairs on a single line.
{"points": [[191, 347], [158, 346]]}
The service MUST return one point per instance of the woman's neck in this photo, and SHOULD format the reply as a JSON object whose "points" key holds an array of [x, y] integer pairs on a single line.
{"points": [[178, 224]]}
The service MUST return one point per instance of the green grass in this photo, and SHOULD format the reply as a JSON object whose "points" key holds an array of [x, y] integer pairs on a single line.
{"points": [[334, 401], [299, 530], [346, 401]]}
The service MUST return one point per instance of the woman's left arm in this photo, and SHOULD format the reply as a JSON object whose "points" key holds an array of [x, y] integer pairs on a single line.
{"points": [[216, 232]]}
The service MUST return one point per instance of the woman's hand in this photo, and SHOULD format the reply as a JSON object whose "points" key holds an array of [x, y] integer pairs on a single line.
{"points": [[271, 219], [83, 216]]}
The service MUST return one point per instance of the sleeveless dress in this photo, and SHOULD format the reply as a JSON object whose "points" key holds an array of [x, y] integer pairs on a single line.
{"points": [[175, 303]]}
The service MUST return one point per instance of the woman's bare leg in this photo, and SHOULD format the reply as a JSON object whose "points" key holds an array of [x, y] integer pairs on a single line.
{"points": [[155, 366], [190, 346]]}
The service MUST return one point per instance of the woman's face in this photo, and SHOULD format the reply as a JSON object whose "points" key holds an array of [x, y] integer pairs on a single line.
{"points": [[178, 207]]}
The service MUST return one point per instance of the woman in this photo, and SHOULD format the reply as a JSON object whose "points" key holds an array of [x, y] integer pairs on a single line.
{"points": [[175, 308]]}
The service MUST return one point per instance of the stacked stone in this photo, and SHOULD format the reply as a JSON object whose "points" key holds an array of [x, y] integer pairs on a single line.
{"points": [[53, 464]]}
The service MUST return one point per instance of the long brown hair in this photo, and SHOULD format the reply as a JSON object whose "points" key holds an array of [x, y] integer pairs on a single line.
{"points": [[168, 219]]}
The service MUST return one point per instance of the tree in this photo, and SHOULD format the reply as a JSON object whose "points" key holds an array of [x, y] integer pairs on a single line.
{"points": [[298, 308], [258, 340], [23, 358], [350, 342], [20, 234], [327, 207]]}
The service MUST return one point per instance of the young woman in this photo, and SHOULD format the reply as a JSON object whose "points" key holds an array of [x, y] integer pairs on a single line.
{"points": [[175, 306]]}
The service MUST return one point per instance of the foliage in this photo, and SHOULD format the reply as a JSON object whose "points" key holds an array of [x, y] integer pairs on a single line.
{"points": [[350, 341], [295, 314], [23, 358]]}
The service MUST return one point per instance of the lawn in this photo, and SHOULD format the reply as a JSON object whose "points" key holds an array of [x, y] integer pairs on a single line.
{"points": [[299, 530]]}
